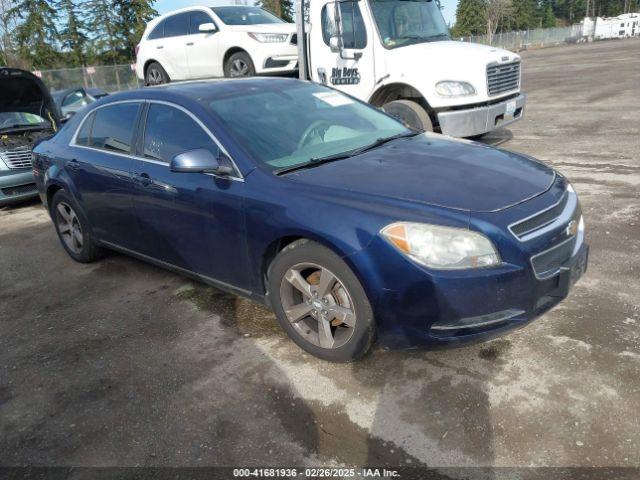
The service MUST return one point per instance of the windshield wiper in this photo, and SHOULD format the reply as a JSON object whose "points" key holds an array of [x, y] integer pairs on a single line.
{"points": [[314, 162]]}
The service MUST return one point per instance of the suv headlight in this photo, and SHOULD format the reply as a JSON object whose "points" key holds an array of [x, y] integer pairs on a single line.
{"points": [[450, 88], [442, 248], [269, 37]]}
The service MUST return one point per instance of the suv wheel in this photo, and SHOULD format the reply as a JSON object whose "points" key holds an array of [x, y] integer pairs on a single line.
{"points": [[155, 75], [239, 65]]}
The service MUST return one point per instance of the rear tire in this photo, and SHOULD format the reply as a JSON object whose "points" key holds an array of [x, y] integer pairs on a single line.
{"points": [[239, 65], [410, 113], [73, 229], [320, 302], [155, 75]]}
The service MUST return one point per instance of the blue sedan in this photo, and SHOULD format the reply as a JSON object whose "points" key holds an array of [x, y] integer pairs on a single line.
{"points": [[349, 225]]}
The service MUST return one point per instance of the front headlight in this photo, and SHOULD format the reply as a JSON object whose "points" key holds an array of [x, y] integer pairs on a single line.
{"points": [[442, 248], [3, 164], [450, 88], [269, 37]]}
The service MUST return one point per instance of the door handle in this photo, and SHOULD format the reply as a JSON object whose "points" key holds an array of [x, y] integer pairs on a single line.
{"points": [[73, 164], [159, 47], [190, 44], [143, 179]]}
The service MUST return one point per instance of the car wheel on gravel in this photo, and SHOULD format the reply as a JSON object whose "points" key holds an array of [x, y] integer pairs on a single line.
{"points": [[72, 229], [410, 113], [239, 65], [320, 302], [155, 75]]}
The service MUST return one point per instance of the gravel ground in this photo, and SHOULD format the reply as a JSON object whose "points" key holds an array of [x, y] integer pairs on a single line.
{"points": [[119, 363]]}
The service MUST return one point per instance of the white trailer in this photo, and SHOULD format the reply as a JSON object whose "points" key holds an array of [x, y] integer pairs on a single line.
{"points": [[602, 28], [399, 55]]}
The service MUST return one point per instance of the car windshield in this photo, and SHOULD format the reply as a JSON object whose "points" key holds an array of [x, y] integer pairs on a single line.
{"points": [[10, 120], [285, 128], [245, 16], [404, 22]]}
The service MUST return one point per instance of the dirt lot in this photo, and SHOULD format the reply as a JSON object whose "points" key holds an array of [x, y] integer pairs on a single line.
{"points": [[120, 363]]}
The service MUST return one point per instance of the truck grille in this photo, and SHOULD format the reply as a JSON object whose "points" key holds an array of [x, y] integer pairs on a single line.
{"points": [[503, 77], [17, 158]]}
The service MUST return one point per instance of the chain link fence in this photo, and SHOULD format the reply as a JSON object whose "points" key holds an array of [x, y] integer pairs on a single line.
{"points": [[539, 37], [112, 78]]}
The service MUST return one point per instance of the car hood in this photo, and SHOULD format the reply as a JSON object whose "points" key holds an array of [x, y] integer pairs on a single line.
{"points": [[436, 170], [265, 28], [22, 91]]}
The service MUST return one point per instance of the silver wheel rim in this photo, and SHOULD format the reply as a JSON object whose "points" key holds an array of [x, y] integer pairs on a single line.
{"points": [[155, 77], [239, 68], [69, 227], [318, 305]]}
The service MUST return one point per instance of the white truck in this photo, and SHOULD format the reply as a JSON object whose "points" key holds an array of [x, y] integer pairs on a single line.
{"points": [[398, 55]]}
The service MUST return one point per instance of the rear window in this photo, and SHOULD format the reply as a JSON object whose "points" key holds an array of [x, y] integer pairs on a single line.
{"points": [[245, 16], [113, 127], [157, 32]]}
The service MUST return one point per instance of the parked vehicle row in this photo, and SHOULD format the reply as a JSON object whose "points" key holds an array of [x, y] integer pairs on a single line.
{"points": [[346, 222]]}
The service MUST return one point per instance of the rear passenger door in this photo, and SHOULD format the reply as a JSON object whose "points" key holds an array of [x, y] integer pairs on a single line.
{"points": [[99, 169], [193, 221]]}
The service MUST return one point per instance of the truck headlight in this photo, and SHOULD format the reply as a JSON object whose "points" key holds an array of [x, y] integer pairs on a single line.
{"points": [[450, 88], [442, 248], [269, 37]]}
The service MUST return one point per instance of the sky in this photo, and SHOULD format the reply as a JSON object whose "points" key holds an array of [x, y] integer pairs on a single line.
{"points": [[164, 6]]}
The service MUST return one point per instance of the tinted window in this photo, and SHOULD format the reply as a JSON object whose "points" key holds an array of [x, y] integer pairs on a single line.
{"points": [[113, 127], [170, 131], [157, 32], [85, 131], [197, 19], [354, 33], [245, 16], [177, 25]]}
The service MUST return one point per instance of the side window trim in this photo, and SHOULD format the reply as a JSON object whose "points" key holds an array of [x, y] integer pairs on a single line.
{"points": [[90, 130]]}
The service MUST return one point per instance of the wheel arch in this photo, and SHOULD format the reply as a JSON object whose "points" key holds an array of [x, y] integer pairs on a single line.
{"points": [[235, 49], [400, 91]]}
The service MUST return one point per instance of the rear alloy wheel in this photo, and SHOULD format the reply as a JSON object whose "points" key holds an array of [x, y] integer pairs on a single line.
{"points": [[410, 113], [69, 227], [320, 303], [156, 75], [239, 65]]}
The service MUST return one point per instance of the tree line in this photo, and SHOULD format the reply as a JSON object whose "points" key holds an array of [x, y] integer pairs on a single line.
{"points": [[477, 17]]}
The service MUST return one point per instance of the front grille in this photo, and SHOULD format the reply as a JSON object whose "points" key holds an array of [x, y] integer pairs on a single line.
{"points": [[19, 190], [539, 220], [503, 77], [17, 158], [549, 262], [294, 39]]}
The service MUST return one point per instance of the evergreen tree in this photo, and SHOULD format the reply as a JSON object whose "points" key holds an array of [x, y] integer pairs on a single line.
{"points": [[36, 32], [469, 18], [525, 14], [132, 19], [72, 36], [547, 18], [282, 8]]}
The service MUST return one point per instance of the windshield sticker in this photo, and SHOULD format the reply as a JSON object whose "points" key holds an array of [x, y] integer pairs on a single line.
{"points": [[345, 76], [333, 98]]}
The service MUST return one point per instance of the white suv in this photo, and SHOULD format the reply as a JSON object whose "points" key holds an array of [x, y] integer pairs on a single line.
{"points": [[201, 42]]}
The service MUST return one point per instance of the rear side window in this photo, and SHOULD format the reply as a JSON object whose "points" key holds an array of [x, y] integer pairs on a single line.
{"points": [[114, 127], [177, 25], [170, 131], [85, 131], [157, 32], [197, 19]]}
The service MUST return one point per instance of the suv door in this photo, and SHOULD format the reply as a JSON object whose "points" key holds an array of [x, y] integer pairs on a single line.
{"points": [[174, 44], [355, 76], [203, 49], [193, 221], [99, 167]]}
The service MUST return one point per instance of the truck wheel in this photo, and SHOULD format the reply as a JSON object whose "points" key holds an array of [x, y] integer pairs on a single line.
{"points": [[410, 113], [320, 302], [239, 65], [155, 75]]}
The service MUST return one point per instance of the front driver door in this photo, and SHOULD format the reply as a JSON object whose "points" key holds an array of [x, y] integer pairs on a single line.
{"points": [[193, 221], [204, 57]]}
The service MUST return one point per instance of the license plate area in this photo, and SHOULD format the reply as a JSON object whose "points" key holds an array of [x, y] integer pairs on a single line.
{"points": [[510, 110]]}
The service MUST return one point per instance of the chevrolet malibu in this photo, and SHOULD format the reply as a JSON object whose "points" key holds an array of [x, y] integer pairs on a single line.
{"points": [[349, 225]]}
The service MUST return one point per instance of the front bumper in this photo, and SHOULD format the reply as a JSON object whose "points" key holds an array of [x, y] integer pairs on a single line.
{"points": [[477, 121], [16, 185]]}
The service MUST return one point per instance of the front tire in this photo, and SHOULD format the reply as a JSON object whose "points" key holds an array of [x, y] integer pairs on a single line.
{"points": [[155, 75], [410, 113], [73, 229], [320, 302], [239, 65]]}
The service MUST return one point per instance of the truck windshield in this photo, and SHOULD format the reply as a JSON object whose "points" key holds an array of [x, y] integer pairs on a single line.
{"points": [[245, 15], [404, 22]]}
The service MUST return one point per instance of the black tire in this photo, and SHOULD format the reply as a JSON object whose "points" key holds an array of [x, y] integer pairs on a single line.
{"points": [[410, 113], [155, 75], [358, 338], [87, 251], [239, 65]]}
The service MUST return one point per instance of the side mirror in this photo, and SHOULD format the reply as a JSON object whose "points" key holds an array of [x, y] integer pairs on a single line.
{"points": [[207, 28], [200, 160]]}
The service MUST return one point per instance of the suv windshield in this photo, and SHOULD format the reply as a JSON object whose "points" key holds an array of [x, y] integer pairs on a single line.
{"points": [[245, 16], [285, 128], [9, 120], [404, 22]]}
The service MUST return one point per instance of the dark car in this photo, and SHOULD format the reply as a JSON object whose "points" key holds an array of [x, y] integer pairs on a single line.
{"points": [[346, 223], [27, 115]]}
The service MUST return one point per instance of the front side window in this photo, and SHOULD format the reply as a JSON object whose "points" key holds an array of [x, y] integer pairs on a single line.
{"points": [[169, 132], [402, 22], [282, 128], [198, 18], [113, 127], [177, 25], [245, 16], [354, 33]]}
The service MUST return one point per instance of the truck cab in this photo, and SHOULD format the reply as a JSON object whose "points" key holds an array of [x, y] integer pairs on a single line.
{"points": [[399, 55]]}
